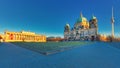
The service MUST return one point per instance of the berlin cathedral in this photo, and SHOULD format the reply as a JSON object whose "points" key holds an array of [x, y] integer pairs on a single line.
{"points": [[82, 29]]}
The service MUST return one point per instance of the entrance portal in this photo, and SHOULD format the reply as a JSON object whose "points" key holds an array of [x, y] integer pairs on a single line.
{"points": [[92, 38]]}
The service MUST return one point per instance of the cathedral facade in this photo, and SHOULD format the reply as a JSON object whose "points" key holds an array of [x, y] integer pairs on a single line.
{"points": [[82, 29]]}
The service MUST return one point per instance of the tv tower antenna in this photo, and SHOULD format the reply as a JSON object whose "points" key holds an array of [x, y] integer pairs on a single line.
{"points": [[112, 21]]}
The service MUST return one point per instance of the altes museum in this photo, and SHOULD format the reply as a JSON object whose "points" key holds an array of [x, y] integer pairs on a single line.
{"points": [[82, 29], [22, 37]]}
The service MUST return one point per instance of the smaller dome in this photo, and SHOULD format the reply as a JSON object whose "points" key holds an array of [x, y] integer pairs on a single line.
{"points": [[93, 17], [68, 25], [67, 28]]}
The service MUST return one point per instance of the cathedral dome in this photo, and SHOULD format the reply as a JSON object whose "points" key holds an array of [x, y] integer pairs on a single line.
{"points": [[81, 22], [81, 19]]}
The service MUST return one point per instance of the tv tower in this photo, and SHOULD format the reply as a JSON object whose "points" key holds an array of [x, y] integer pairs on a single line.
{"points": [[112, 21]]}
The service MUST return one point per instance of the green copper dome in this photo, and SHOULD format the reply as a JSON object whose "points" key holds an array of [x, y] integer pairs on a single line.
{"points": [[81, 19], [93, 17]]}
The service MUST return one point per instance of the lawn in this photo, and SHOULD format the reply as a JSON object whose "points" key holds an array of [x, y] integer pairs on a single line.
{"points": [[50, 47]]}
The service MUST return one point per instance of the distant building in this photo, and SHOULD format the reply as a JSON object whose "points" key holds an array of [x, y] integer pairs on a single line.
{"points": [[104, 38], [82, 29], [22, 37], [55, 39]]}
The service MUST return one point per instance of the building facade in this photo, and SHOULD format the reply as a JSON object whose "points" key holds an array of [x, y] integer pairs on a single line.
{"points": [[22, 37], [82, 29]]}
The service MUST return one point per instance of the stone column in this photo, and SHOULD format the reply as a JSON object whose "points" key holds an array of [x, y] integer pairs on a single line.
{"points": [[14, 36]]}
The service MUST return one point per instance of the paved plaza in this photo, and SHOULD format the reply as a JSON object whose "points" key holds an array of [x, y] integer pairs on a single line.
{"points": [[97, 55]]}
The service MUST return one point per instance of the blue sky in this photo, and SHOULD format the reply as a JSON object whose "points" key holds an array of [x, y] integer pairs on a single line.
{"points": [[50, 16]]}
